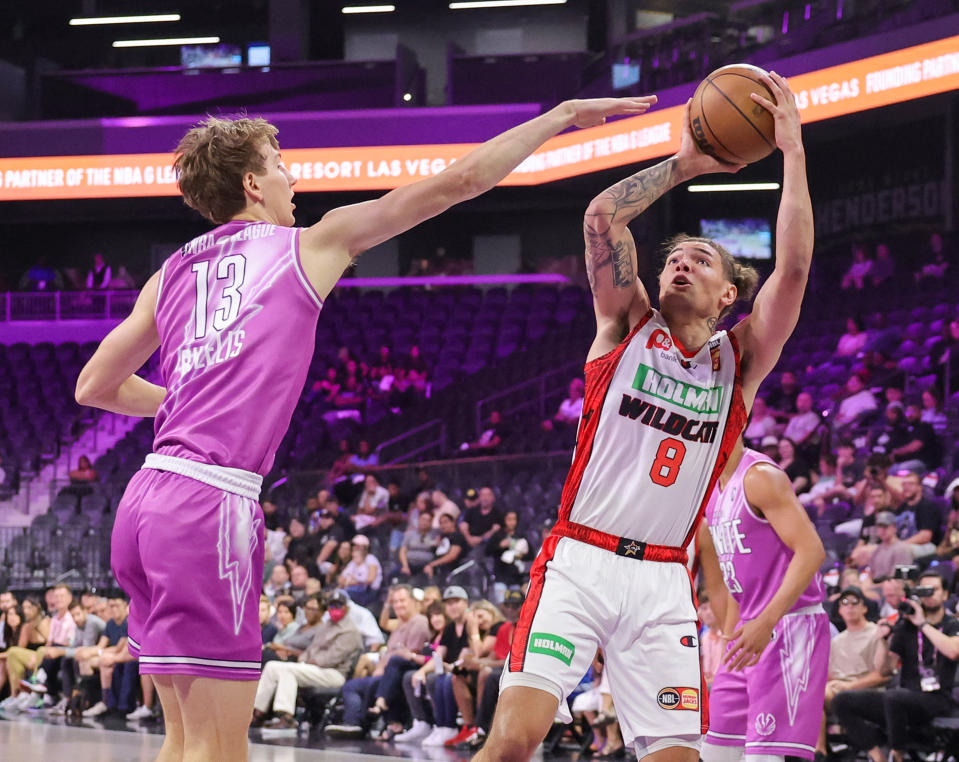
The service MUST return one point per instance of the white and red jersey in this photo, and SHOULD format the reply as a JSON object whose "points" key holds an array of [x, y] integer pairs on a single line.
{"points": [[658, 426]]}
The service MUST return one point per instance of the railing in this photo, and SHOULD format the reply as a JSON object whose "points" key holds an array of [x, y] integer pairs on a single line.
{"points": [[518, 397], [66, 305], [438, 443]]}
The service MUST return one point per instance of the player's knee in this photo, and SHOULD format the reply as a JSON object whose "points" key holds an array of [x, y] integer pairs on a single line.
{"points": [[517, 747]]}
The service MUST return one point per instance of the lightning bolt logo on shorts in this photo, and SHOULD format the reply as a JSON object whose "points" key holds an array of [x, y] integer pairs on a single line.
{"points": [[237, 569], [799, 638]]}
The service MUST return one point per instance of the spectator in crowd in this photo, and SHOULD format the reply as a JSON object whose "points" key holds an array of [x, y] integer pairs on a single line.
{"points": [[490, 437], [341, 558], [857, 401], [876, 475], [380, 694], [883, 266], [925, 644], [491, 667], [483, 628], [122, 279], [327, 538], [858, 271], [12, 630], [299, 579], [110, 653], [89, 630], [99, 276], [372, 504], [921, 449], [932, 411], [854, 655], [826, 488], [949, 545], [435, 676], [7, 601], [762, 424], [34, 632], [326, 663], [587, 704], [945, 355], [508, 549], [935, 266], [289, 648], [419, 547], [43, 665], [478, 524], [279, 582], [268, 630], [300, 548], [570, 409], [893, 592], [42, 277], [890, 551], [853, 341], [849, 470], [363, 575], [918, 518], [889, 432], [443, 505], [781, 400], [84, 473], [795, 467], [451, 550], [359, 615], [286, 623], [802, 426]]}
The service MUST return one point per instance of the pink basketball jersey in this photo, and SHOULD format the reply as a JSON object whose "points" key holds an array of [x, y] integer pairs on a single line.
{"points": [[237, 318], [752, 557]]}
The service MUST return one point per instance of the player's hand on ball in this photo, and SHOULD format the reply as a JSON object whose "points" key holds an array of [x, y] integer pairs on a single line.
{"points": [[785, 112], [747, 644], [694, 162], [593, 111]]}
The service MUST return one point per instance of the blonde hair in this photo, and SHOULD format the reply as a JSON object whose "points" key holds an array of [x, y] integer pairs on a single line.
{"points": [[211, 160], [744, 277], [489, 608]]}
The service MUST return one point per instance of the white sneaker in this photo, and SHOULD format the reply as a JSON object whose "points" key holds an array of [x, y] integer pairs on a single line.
{"points": [[440, 736], [140, 714], [8, 702], [96, 710], [420, 730], [60, 708]]}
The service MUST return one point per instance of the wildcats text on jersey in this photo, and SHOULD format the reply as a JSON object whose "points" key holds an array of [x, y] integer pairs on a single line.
{"points": [[675, 424]]}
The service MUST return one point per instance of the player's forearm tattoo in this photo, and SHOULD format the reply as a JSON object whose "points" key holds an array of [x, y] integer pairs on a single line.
{"points": [[624, 201]]}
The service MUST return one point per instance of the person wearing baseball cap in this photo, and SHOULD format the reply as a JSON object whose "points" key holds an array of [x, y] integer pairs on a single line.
{"points": [[891, 551]]}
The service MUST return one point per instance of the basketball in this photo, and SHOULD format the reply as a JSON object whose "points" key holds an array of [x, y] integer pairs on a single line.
{"points": [[726, 122]]}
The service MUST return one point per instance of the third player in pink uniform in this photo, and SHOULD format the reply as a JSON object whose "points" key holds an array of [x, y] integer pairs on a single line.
{"points": [[766, 699]]}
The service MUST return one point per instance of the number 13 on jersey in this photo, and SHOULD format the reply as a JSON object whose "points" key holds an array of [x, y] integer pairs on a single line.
{"points": [[669, 458]]}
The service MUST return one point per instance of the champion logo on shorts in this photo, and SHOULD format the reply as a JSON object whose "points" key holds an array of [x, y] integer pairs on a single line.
{"points": [[552, 645], [679, 699], [765, 724], [689, 641]]}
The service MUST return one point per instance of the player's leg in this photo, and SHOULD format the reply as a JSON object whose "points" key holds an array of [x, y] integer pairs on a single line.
{"points": [[522, 719], [554, 642], [728, 715], [216, 715], [172, 750]]}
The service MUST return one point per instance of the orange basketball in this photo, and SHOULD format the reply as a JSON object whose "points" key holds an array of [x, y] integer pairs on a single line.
{"points": [[726, 122]]}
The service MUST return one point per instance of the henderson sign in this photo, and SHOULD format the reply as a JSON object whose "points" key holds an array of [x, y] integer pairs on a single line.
{"points": [[868, 83]]}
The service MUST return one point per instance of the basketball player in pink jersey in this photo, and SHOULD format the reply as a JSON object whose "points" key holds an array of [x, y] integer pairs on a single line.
{"points": [[666, 399], [766, 699], [234, 315]]}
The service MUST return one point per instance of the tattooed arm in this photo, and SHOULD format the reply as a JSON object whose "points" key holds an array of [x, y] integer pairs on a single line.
{"points": [[776, 307], [619, 298]]}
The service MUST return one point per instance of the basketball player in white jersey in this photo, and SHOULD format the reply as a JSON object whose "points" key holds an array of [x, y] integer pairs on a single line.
{"points": [[233, 313], [667, 397], [760, 557]]}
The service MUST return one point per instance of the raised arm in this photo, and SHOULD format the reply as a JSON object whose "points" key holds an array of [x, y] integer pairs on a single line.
{"points": [[776, 308], [107, 380], [330, 245], [619, 298]]}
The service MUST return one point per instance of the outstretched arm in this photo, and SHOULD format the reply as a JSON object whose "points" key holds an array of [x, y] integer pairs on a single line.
{"points": [[776, 308], [107, 381], [619, 298], [344, 233], [768, 490]]}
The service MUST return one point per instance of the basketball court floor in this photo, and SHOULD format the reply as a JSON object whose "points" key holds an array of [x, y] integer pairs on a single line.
{"points": [[25, 738]]}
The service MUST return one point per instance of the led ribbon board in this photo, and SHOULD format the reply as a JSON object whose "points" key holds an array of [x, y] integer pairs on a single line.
{"points": [[867, 83]]}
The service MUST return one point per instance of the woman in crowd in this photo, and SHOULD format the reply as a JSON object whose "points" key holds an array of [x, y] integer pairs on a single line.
{"points": [[363, 575], [851, 343], [796, 469], [339, 561], [12, 627], [33, 636], [509, 550]]}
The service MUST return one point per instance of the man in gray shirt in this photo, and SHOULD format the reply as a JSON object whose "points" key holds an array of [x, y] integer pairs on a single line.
{"points": [[419, 546], [324, 664], [89, 629]]}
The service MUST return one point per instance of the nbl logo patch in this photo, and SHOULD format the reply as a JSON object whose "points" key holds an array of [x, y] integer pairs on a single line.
{"points": [[681, 699]]}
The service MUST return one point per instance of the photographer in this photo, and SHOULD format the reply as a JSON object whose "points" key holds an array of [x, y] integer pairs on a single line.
{"points": [[925, 642], [876, 476]]}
